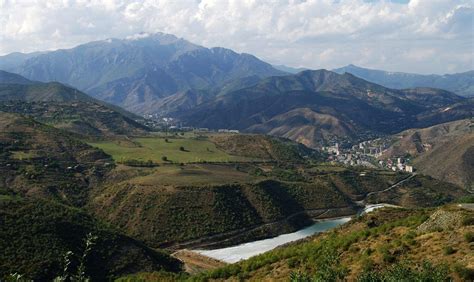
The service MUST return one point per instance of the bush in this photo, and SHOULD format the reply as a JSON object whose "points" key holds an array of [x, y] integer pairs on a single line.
{"points": [[468, 220], [464, 272], [402, 272], [181, 148], [164, 158], [448, 250], [469, 236]]}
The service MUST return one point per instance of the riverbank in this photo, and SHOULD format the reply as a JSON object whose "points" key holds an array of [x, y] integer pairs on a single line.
{"points": [[289, 224], [235, 253], [246, 250]]}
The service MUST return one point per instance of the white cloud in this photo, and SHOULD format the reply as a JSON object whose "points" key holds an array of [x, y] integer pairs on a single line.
{"points": [[421, 36]]}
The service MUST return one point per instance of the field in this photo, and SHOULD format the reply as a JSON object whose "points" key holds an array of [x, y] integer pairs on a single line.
{"points": [[192, 174], [176, 150]]}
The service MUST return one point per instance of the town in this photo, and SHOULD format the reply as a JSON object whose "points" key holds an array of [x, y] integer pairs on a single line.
{"points": [[368, 153]]}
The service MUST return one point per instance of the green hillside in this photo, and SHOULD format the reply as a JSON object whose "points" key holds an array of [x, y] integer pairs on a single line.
{"points": [[67, 108], [41, 161], [36, 235], [387, 245], [201, 204]]}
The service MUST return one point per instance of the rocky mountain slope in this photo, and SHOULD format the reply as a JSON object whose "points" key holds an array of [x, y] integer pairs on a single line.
{"points": [[141, 69], [315, 106], [444, 151]]}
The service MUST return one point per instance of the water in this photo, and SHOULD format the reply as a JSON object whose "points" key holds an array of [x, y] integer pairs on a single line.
{"points": [[247, 250], [370, 208]]}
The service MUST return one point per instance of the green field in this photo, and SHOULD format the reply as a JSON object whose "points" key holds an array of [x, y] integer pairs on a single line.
{"points": [[155, 148]]}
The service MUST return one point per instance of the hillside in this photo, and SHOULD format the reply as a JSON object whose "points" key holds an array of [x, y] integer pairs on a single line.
{"points": [[140, 70], [220, 204], [459, 83], [386, 245], [67, 108], [444, 151], [43, 162], [314, 107], [36, 235], [263, 147], [11, 78]]}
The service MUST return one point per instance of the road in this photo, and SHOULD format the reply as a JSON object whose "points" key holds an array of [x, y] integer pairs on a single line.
{"points": [[393, 186]]}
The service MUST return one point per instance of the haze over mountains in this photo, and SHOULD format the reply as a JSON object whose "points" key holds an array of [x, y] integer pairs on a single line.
{"points": [[77, 169], [218, 88], [459, 83], [136, 71], [314, 106]]}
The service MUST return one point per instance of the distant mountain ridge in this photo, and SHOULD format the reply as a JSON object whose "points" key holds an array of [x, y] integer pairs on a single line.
{"points": [[316, 106], [140, 70], [459, 83]]}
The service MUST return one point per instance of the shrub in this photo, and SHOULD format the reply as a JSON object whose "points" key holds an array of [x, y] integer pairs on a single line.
{"points": [[181, 148], [164, 158], [469, 236], [448, 250], [468, 220], [464, 272]]}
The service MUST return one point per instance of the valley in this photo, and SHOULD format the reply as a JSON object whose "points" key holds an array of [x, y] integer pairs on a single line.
{"points": [[151, 158]]}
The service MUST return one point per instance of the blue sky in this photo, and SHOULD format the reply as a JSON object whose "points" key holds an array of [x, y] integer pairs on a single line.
{"points": [[423, 36]]}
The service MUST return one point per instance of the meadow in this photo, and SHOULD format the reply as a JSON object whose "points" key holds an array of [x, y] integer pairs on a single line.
{"points": [[166, 150]]}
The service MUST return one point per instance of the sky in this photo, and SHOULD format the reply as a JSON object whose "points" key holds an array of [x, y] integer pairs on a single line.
{"points": [[420, 36]]}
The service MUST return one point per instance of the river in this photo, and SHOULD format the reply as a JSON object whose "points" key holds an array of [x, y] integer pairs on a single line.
{"points": [[250, 249]]}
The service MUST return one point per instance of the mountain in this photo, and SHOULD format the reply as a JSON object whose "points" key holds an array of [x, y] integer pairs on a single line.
{"points": [[12, 78], [444, 151], [316, 106], [289, 69], [14, 59], [459, 83], [142, 69], [37, 234], [65, 107]]}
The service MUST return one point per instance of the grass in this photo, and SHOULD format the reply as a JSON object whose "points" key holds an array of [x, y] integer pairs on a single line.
{"points": [[22, 155], [155, 148], [193, 174]]}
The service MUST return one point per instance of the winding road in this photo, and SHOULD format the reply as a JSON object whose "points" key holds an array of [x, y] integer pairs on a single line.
{"points": [[393, 186]]}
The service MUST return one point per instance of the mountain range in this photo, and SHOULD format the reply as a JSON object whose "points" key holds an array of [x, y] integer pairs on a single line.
{"points": [[315, 106], [168, 76], [139, 70], [459, 83], [87, 192]]}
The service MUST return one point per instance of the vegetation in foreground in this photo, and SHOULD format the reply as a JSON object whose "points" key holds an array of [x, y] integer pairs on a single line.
{"points": [[387, 245], [37, 234]]}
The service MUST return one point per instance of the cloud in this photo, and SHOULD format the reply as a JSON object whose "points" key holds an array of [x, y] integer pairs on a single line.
{"points": [[417, 35]]}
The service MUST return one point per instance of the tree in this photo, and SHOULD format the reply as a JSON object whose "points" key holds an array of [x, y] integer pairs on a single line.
{"points": [[164, 158], [181, 148]]}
